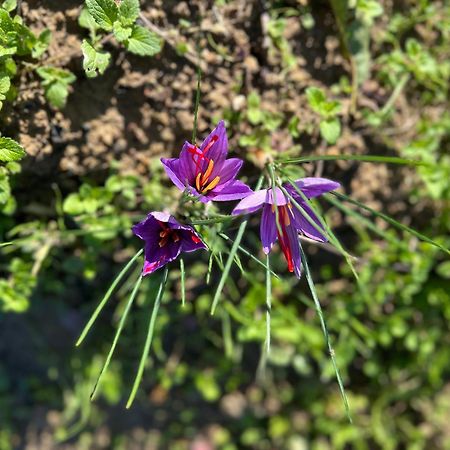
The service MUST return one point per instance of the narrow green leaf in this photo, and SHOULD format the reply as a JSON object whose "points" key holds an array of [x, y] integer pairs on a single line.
{"points": [[362, 158], [246, 252], [143, 42], [183, 287], [325, 331], [149, 338], [106, 297], [117, 335], [363, 220], [268, 303], [324, 226], [228, 264], [392, 221], [10, 150], [104, 12], [230, 259], [197, 96], [210, 263]]}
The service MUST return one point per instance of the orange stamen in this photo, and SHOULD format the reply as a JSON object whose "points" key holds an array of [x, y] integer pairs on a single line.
{"points": [[211, 185], [207, 173], [197, 182]]}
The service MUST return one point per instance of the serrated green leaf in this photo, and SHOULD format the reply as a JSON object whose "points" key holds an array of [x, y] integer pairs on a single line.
{"points": [[9, 5], [129, 11], [85, 20], [50, 74], [41, 44], [143, 42], [5, 84], [94, 62], [57, 94], [120, 32], [330, 130], [104, 12], [10, 150], [316, 98]]}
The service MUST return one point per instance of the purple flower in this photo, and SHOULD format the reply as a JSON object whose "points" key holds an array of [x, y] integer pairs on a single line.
{"points": [[291, 220], [165, 239], [205, 172]]}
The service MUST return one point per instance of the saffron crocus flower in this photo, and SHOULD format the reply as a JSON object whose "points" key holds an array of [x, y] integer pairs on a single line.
{"points": [[291, 220], [165, 238], [205, 172]]}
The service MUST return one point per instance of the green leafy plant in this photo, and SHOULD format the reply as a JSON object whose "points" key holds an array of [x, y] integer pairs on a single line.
{"points": [[330, 126], [119, 20], [17, 44]]}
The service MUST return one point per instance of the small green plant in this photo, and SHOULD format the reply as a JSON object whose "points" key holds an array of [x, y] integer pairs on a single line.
{"points": [[330, 126], [17, 44], [119, 21]]}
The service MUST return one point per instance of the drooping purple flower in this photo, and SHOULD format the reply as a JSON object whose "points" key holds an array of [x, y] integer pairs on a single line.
{"points": [[165, 238], [205, 172], [291, 220]]}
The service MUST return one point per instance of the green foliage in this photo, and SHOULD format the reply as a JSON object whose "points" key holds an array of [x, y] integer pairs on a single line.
{"points": [[330, 126], [120, 19], [10, 150], [56, 83], [94, 62]]}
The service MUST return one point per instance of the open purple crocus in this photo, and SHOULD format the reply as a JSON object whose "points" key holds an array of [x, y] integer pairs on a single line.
{"points": [[291, 220], [165, 238], [205, 172]]}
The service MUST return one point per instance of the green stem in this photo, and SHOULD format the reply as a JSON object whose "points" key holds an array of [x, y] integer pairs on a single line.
{"points": [[148, 340]]}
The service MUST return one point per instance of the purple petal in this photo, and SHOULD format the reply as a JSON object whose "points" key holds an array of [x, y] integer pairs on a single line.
{"points": [[313, 186], [279, 197], [228, 171], [191, 241], [157, 257], [216, 151], [187, 165], [294, 245], [146, 228], [172, 168], [304, 226], [251, 203], [268, 228], [233, 190]]}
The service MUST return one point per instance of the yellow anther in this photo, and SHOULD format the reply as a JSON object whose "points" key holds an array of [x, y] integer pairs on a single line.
{"points": [[197, 182], [207, 173], [211, 185]]}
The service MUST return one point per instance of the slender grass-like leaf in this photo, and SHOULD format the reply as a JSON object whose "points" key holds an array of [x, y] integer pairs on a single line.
{"points": [[325, 228], [226, 269], [227, 336], [106, 297], [117, 335], [218, 219], [197, 96], [234, 248], [323, 325], [268, 304], [183, 287], [246, 252], [361, 158], [392, 221], [210, 263], [274, 196], [363, 220], [149, 338]]}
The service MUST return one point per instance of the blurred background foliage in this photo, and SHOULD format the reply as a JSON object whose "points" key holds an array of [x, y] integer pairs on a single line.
{"points": [[363, 76]]}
